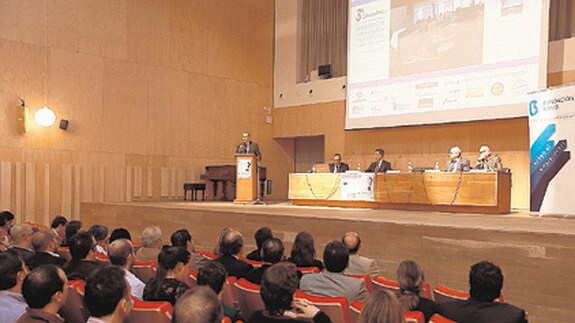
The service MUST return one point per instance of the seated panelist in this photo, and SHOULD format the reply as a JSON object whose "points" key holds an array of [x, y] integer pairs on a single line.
{"points": [[380, 165], [456, 162], [488, 161], [338, 166]]}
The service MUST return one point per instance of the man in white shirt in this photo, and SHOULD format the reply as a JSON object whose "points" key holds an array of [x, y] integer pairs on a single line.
{"points": [[121, 254], [12, 274]]}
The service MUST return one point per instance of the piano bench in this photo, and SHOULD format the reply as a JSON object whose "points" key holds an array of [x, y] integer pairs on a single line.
{"points": [[195, 187]]}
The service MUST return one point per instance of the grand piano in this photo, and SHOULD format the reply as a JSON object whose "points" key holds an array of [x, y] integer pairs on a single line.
{"points": [[227, 173]]}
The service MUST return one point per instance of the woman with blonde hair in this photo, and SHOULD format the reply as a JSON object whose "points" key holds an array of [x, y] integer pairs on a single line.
{"points": [[381, 307], [411, 279]]}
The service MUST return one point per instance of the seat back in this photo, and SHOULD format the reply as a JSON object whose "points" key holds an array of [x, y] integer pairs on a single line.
{"points": [[102, 257], [436, 318], [64, 252], [379, 282], [150, 312], [308, 270], [249, 299], [335, 307], [355, 310], [193, 278], [74, 310], [414, 317], [207, 254], [229, 297], [144, 270], [443, 294], [254, 263], [366, 279]]}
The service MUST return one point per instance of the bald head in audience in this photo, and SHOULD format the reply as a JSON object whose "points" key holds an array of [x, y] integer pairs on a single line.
{"points": [[22, 235], [152, 237], [198, 305], [119, 253], [352, 241], [44, 241], [232, 243]]}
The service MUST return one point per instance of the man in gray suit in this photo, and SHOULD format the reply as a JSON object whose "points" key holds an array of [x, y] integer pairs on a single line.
{"points": [[456, 162], [333, 282], [249, 147], [358, 265]]}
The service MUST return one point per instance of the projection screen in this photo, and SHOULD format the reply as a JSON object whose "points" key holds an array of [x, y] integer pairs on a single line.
{"points": [[417, 62]]}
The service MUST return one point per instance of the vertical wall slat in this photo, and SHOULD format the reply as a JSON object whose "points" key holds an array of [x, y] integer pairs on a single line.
{"points": [[18, 189], [76, 198], [150, 182], [29, 192], [45, 216], [6, 186], [66, 190]]}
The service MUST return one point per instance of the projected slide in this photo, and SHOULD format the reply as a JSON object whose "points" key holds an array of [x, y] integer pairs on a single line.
{"points": [[434, 61]]}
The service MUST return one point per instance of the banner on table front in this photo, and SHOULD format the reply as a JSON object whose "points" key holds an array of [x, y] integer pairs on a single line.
{"points": [[551, 132]]}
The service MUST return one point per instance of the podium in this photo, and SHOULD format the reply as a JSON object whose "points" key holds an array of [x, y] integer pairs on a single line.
{"points": [[246, 178]]}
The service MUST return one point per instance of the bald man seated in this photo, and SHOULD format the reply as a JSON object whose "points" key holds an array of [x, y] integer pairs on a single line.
{"points": [[45, 245], [358, 265]]}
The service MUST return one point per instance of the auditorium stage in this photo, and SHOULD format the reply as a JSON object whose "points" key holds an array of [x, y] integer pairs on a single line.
{"points": [[536, 253]]}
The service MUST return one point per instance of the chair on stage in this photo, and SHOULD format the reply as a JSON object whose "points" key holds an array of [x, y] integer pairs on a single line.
{"points": [[355, 310], [335, 307], [249, 299], [73, 310], [413, 317], [437, 318], [367, 281], [150, 312], [145, 270]]}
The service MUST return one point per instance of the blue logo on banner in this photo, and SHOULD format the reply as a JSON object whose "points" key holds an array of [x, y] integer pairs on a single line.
{"points": [[533, 109]]}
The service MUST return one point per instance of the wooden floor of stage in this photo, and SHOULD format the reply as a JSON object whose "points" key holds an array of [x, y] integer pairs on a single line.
{"points": [[535, 253], [517, 220]]}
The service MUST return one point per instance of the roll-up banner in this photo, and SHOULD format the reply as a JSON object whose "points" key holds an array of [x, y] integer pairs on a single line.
{"points": [[551, 133]]}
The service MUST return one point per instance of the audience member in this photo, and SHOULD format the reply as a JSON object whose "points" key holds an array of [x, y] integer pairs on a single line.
{"points": [[272, 252], [261, 236], [107, 296], [83, 252], [151, 244], [456, 162], [45, 245], [230, 251], [45, 291], [72, 228], [221, 235], [485, 284], [58, 228], [213, 274], [333, 282], [120, 233], [100, 234], [183, 238], [22, 241], [303, 251], [12, 274], [198, 305], [171, 275], [121, 253], [6, 222], [279, 284], [358, 265], [381, 307], [411, 279]]}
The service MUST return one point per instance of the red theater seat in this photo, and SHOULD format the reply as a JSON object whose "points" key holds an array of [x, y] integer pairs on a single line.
{"points": [[413, 317], [144, 270], [355, 310], [379, 282], [249, 299], [150, 312], [366, 280], [73, 310], [335, 307], [436, 318]]}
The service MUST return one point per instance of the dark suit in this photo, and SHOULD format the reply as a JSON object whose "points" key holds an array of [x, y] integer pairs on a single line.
{"points": [[234, 266], [254, 255], [24, 253], [249, 148], [343, 167], [381, 166], [80, 270], [255, 276], [44, 258], [474, 311]]}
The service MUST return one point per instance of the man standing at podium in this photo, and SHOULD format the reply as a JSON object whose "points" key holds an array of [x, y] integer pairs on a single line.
{"points": [[248, 147]]}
